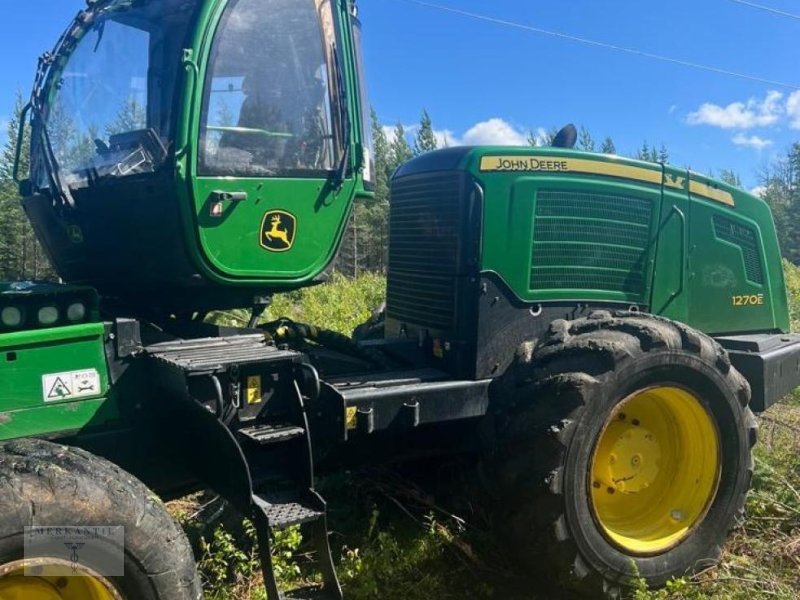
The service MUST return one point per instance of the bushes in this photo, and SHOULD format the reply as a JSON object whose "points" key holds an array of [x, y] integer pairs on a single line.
{"points": [[340, 305]]}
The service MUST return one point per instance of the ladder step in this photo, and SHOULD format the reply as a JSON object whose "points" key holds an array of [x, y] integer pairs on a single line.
{"points": [[286, 510], [272, 434]]}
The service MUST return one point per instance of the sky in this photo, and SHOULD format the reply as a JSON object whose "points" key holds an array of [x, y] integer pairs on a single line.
{"points": [[484, 82]]}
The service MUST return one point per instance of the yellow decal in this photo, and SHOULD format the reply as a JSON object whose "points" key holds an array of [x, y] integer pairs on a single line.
{"points": [[712, 193], [278, 231], [351, 417], [254, 389], [672, 181], [749, 300], [554, 164]]}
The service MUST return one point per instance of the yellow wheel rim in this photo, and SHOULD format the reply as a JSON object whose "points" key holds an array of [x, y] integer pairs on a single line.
{"points": [[43, 579], [655, 470]]}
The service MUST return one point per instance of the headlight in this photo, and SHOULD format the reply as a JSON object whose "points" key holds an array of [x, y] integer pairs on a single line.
{"points": [[76, 312], [11, 316], [47, 315]]}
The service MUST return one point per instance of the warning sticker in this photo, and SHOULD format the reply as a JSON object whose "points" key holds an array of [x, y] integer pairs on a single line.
{"points": [[67, 386]]}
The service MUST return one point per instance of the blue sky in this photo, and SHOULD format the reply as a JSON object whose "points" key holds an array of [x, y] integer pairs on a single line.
{"points": [[483, 82]]}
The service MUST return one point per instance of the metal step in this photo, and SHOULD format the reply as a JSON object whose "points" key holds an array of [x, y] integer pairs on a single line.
{"points": [[271, 434], [273, 511], [212, 355], [287, 509]]}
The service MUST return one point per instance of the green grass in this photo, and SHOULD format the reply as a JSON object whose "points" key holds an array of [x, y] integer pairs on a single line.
{"points": [[393, 541]]}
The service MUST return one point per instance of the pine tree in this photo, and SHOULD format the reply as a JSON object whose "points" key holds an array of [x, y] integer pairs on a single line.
{"points": [[781, 181], [365, 243], [643, 153], [425, 140], [21, 256], [608, 146], [382, 151], [131, 116], [399, 150], [585, 140], [663, 154], [730, 177]]}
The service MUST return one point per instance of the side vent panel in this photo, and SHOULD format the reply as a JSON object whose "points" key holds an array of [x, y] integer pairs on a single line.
{"points": [[746, 239], [591, 241]]}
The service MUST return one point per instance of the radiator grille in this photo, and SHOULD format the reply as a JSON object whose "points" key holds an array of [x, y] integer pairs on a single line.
{"points": [[423, 249], [591, 241], [745, 237]]}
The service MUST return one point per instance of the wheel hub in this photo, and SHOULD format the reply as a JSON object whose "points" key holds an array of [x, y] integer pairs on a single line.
{"points": [[655, 470], [631, 463], [43, 579]]}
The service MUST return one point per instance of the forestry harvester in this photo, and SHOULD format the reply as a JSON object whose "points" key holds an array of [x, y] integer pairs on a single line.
{"points": [[598, 330]]}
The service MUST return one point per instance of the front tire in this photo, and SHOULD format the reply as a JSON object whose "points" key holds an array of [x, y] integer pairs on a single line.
{"points": [[623, 450], [48, 485]]}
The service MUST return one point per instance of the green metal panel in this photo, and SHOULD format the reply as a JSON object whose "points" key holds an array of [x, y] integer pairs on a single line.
{"points": [[27, 358], [735, 273], [567, 225], [58, 420], [228, 249], [669, 296], [554, 229]]}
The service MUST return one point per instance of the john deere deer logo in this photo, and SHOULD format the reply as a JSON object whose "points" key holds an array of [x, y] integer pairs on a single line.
{"points": [[278, 231]]}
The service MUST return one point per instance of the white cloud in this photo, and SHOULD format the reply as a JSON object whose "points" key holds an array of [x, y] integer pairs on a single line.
{"points": [[389, 131], [494, 132], [793, 110], [752, 141], [673, 108], [741, 115], [759, 190], [445, 138]]}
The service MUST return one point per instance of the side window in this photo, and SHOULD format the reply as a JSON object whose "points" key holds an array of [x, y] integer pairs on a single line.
{"points": [[269, 94]]}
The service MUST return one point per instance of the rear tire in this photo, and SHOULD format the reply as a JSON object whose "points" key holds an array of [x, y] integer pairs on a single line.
{"points": [[48, 485], [567, 508]]}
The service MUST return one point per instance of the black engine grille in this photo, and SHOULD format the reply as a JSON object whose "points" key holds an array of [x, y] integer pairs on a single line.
{"points": [[425, 221]]}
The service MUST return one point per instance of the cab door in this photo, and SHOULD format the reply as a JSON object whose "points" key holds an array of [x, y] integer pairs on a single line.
{"points": [[269, 141]]}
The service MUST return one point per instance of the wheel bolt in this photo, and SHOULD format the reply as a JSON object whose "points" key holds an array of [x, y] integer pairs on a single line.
{"points": [[622, 416], [635, 422], [611, 490], [596, 485]]}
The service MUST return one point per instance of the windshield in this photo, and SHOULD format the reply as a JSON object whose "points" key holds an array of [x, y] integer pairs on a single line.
{"points": [[271, 99], [110, 102]]}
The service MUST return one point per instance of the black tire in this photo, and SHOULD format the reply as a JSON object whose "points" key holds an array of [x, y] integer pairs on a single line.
{"points": [[46, 484], [551, 407]]}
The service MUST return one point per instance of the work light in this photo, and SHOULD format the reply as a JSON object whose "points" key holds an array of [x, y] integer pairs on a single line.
{"points": [[76, 312], [11, 316], [47, 315]]}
